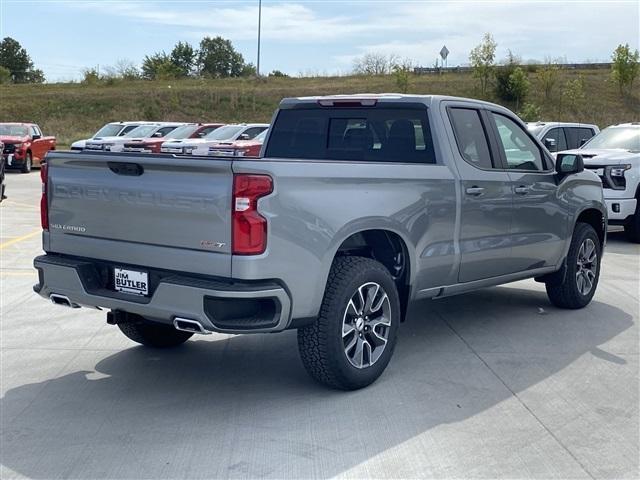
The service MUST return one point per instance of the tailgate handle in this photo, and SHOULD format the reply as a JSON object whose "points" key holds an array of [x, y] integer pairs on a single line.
{"points": [[123, 168]]}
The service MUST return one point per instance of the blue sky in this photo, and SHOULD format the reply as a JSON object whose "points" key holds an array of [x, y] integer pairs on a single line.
{"points": [[65, 37]]}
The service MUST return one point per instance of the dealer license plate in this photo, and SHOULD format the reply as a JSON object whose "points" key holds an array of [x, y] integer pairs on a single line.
{"points": [[131, 281]]}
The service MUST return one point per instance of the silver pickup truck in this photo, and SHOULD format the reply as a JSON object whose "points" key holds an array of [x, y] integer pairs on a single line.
{"points": [[359, 205]]}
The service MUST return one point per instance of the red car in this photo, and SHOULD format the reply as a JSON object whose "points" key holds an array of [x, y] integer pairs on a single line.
{"points": [[24, 145], [189, 130], [240, 148]]}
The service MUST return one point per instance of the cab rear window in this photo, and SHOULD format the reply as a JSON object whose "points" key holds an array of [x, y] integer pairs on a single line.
{"points": [[357, 134]]}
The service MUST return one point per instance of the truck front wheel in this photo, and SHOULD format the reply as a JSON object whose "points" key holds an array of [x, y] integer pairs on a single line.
{"points": [[28, 163], [153, 334], [632, 227], [352, 340], [574, 285]]}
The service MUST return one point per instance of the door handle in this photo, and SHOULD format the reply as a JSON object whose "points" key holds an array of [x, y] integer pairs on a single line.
{"points": [[521, 190], [475, 191]]}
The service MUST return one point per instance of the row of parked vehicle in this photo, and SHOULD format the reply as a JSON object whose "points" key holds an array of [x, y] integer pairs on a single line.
{"points": [[234, 140]]}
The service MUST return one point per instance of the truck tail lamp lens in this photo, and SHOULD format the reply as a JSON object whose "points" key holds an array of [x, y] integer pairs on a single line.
{"points": [[249, 228], [44, 200]]}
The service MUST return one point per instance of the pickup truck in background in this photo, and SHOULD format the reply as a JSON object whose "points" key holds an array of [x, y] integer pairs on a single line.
{"points": [[359, 205], [239, 148], [614, 155], [24, 145], [560, 136], [113, 129], [153, 144], [116, 144], [228, 133]]}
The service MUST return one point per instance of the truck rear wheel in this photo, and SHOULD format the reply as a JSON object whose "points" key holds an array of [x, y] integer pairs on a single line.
{"points": [[153, 334], [575, 284], [352, 340]]}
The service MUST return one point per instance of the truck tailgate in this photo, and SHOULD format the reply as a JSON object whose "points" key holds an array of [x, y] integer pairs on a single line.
{"points": [[149, 210]]}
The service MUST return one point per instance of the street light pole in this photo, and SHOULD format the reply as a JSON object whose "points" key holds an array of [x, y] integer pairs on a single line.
{"points": [[259, 27]]}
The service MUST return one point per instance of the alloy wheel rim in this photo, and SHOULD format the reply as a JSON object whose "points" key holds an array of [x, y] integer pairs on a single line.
{"points": [[366, 325], [587, 263]]}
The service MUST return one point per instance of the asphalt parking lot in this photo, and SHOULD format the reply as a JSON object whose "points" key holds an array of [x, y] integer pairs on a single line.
{"points": [[492, 384]]}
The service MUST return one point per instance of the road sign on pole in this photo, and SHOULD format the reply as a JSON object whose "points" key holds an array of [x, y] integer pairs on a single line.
{"points": [[444, 53]]}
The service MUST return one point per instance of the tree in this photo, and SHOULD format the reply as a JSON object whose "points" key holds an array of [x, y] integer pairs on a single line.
{"points": [[530, 112], [518, 85], [126, 70], [5, 76], [573, 93], [371, 64], [548, 77], [625, 67], [217, 58], [16, 59], [482, 59], [503, 74], [183, 56], [278, 73], [159, 66]]}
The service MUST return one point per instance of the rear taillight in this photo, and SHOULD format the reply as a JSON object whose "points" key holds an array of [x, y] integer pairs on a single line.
{"points": [[249, 227], [44, 203]]}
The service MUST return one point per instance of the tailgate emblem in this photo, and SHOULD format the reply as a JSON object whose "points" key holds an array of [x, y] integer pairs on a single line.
{"points": [[211, 244]]}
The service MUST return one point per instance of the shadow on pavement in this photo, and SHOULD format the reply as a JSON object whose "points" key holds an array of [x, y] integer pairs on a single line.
{"points": [[244, 407]]}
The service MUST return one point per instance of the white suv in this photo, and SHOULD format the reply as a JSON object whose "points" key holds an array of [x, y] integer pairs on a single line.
{"points": [[614, 154], [113, 129], [116, 143], [559, 136]]}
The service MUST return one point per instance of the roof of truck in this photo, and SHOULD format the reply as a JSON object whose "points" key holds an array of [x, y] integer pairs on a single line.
{"points": [[377, 97]]}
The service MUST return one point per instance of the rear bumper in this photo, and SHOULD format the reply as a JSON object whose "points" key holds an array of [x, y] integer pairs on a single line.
{"points": [[219, 306], [618, 209]]}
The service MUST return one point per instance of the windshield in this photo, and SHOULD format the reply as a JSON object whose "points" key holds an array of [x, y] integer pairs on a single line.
{"points": [[109, 130], [535, 129], [184, 131], [142, 131], [626, 138], [261, 137], [224, 133], [13, 130]]}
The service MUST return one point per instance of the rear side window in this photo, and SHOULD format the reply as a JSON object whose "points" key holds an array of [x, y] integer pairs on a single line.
{"points": [[360, 134], [471, 137], [577, 136]]}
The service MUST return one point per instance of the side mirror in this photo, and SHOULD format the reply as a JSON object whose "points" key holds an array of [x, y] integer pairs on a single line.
{"points": [[550, 143], [583, 141], [157, 135], [569, 163], [35, 137], [244, 136]]}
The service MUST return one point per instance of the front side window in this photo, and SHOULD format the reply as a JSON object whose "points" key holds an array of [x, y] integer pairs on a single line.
{"points": [[252, 132], [359, 134], [163, 131], [558, 143], [521, 152], [578, 136], [471, 137]]}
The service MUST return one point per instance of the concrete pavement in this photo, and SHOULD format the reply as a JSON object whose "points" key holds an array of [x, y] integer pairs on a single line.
{"points": [[493, 384]]}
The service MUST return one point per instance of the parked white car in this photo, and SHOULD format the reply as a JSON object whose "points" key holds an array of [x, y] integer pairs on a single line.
{"points": [[559, 136], [228, 133], [614, 155], [116, 143], [113, 129]]}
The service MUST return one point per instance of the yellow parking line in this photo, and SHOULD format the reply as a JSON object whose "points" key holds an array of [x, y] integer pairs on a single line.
{"points": [[19, 239], [19, 274]]}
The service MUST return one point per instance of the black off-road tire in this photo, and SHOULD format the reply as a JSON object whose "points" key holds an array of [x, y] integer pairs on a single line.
{"points": [[321, 344], [562, 287], [632, 227], [153, 334], [28, 163]]}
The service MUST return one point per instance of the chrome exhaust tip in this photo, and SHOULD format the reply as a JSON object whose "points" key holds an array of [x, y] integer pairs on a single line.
{"points": [[62, 300], [191, 326]]}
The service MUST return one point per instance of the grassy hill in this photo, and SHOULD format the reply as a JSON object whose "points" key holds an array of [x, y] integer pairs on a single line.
{"points": [[72, 111]]}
